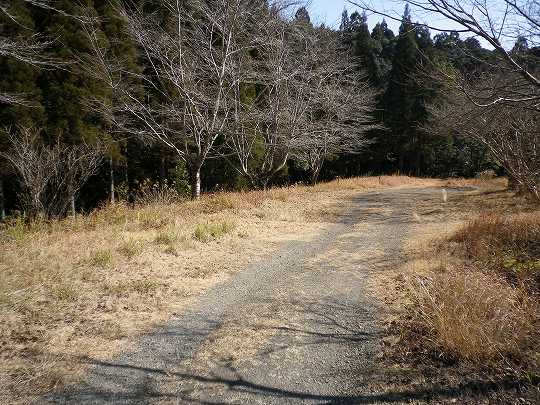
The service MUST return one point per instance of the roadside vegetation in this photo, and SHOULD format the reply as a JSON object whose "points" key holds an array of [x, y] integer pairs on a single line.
{"points": [[472, 296]]}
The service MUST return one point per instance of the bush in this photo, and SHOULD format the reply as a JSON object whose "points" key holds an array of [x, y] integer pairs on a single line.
{"points": [[508, 245], [483, 307], [155, 193]]}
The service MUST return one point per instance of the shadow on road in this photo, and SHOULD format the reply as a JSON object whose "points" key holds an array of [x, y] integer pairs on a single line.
{"points": [[239, 384]]}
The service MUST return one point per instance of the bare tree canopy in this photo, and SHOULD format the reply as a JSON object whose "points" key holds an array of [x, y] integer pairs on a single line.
{"points": [[511, 134], [194, 57], [500, 24], [51, 176]]}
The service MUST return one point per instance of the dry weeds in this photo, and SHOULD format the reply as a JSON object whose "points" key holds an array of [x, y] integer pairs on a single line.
{"points": [[82, 286], [473, 287]]}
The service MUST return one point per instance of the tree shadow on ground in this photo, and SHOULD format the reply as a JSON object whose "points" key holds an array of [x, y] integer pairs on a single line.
{"points": [[147, 393]]}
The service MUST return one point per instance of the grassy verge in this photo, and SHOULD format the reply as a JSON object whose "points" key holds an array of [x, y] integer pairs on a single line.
{"points": [[472, 296], [83, 286]]}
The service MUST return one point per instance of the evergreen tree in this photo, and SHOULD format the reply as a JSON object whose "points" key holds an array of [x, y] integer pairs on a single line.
{"points": [[405, 99], [302, 16], [19, 78], [345, 21], [67, 91]]}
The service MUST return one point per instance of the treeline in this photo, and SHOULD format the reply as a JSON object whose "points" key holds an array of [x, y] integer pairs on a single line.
{"points": [[223, 95]]}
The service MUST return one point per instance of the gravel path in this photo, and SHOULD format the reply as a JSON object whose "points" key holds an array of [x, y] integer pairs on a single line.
{"points": [[301, 326]]}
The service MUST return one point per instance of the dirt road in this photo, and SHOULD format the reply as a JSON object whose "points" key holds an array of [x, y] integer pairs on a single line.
{"points": [[301, 326]]}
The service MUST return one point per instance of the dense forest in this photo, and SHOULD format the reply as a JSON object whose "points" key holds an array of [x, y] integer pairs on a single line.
{"points": [[110, 76]]}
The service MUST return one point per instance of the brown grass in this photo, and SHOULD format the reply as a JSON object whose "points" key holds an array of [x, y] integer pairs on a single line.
{"points": [[477, 317], [509, 245], [479, 305], [83, 285]]}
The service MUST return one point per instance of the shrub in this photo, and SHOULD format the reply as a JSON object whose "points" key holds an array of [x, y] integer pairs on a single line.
{"points": [[509, 245], [150, 193]]}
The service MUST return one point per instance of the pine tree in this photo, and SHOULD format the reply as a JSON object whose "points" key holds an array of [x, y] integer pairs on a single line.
{"points": [[18, 77], [302, 16]]}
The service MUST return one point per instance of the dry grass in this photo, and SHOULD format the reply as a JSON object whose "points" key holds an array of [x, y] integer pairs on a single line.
{"points": [[477, 317], [509, 245], [82, 286], [478, 304]]}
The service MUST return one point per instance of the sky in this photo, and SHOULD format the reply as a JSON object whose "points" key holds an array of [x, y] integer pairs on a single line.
{"points": [[329, 12]]}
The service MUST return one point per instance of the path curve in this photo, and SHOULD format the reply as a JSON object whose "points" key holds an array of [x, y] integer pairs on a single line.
{"points": [[301, 326]]}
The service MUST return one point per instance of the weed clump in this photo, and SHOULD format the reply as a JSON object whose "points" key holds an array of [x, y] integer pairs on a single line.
{"points": [[100, 258], [131, 248], [166, 237], [208, 232]]}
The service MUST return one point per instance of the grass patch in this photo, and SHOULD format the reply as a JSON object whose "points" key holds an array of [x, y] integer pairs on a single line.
{"points": [[476, 317], [100, 258], [509, 245], [131, 248], [171, 250], [65, 293], [167, 237], [123, 288], [208, 232]]}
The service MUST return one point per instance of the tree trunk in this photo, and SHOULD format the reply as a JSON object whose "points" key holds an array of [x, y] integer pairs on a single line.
{"points": [[264, 182], [315, 176], [401, 163], [162, 171], [73, 211], [196, 183], [2, 201], [112, 179]]}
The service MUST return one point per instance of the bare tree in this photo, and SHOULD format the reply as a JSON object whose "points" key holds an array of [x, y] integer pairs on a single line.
{"points": [[337, 122], [191, 77], [303, 107], [51, 176], [500, 24], [511, 134], [267, 124]]}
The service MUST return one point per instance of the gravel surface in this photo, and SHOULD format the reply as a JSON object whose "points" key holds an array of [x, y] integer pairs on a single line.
{"points": [[300, 326]]}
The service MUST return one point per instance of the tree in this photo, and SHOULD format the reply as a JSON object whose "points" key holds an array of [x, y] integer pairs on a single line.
{"points": [[401, 97], [339, 116], [268, 123], [191, 60], [20, 45], [511, 135], [302, 16], [496, 23], [51, 176]]}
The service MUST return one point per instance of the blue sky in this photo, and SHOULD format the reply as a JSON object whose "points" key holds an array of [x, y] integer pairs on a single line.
{"points": [[329, 12]]}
